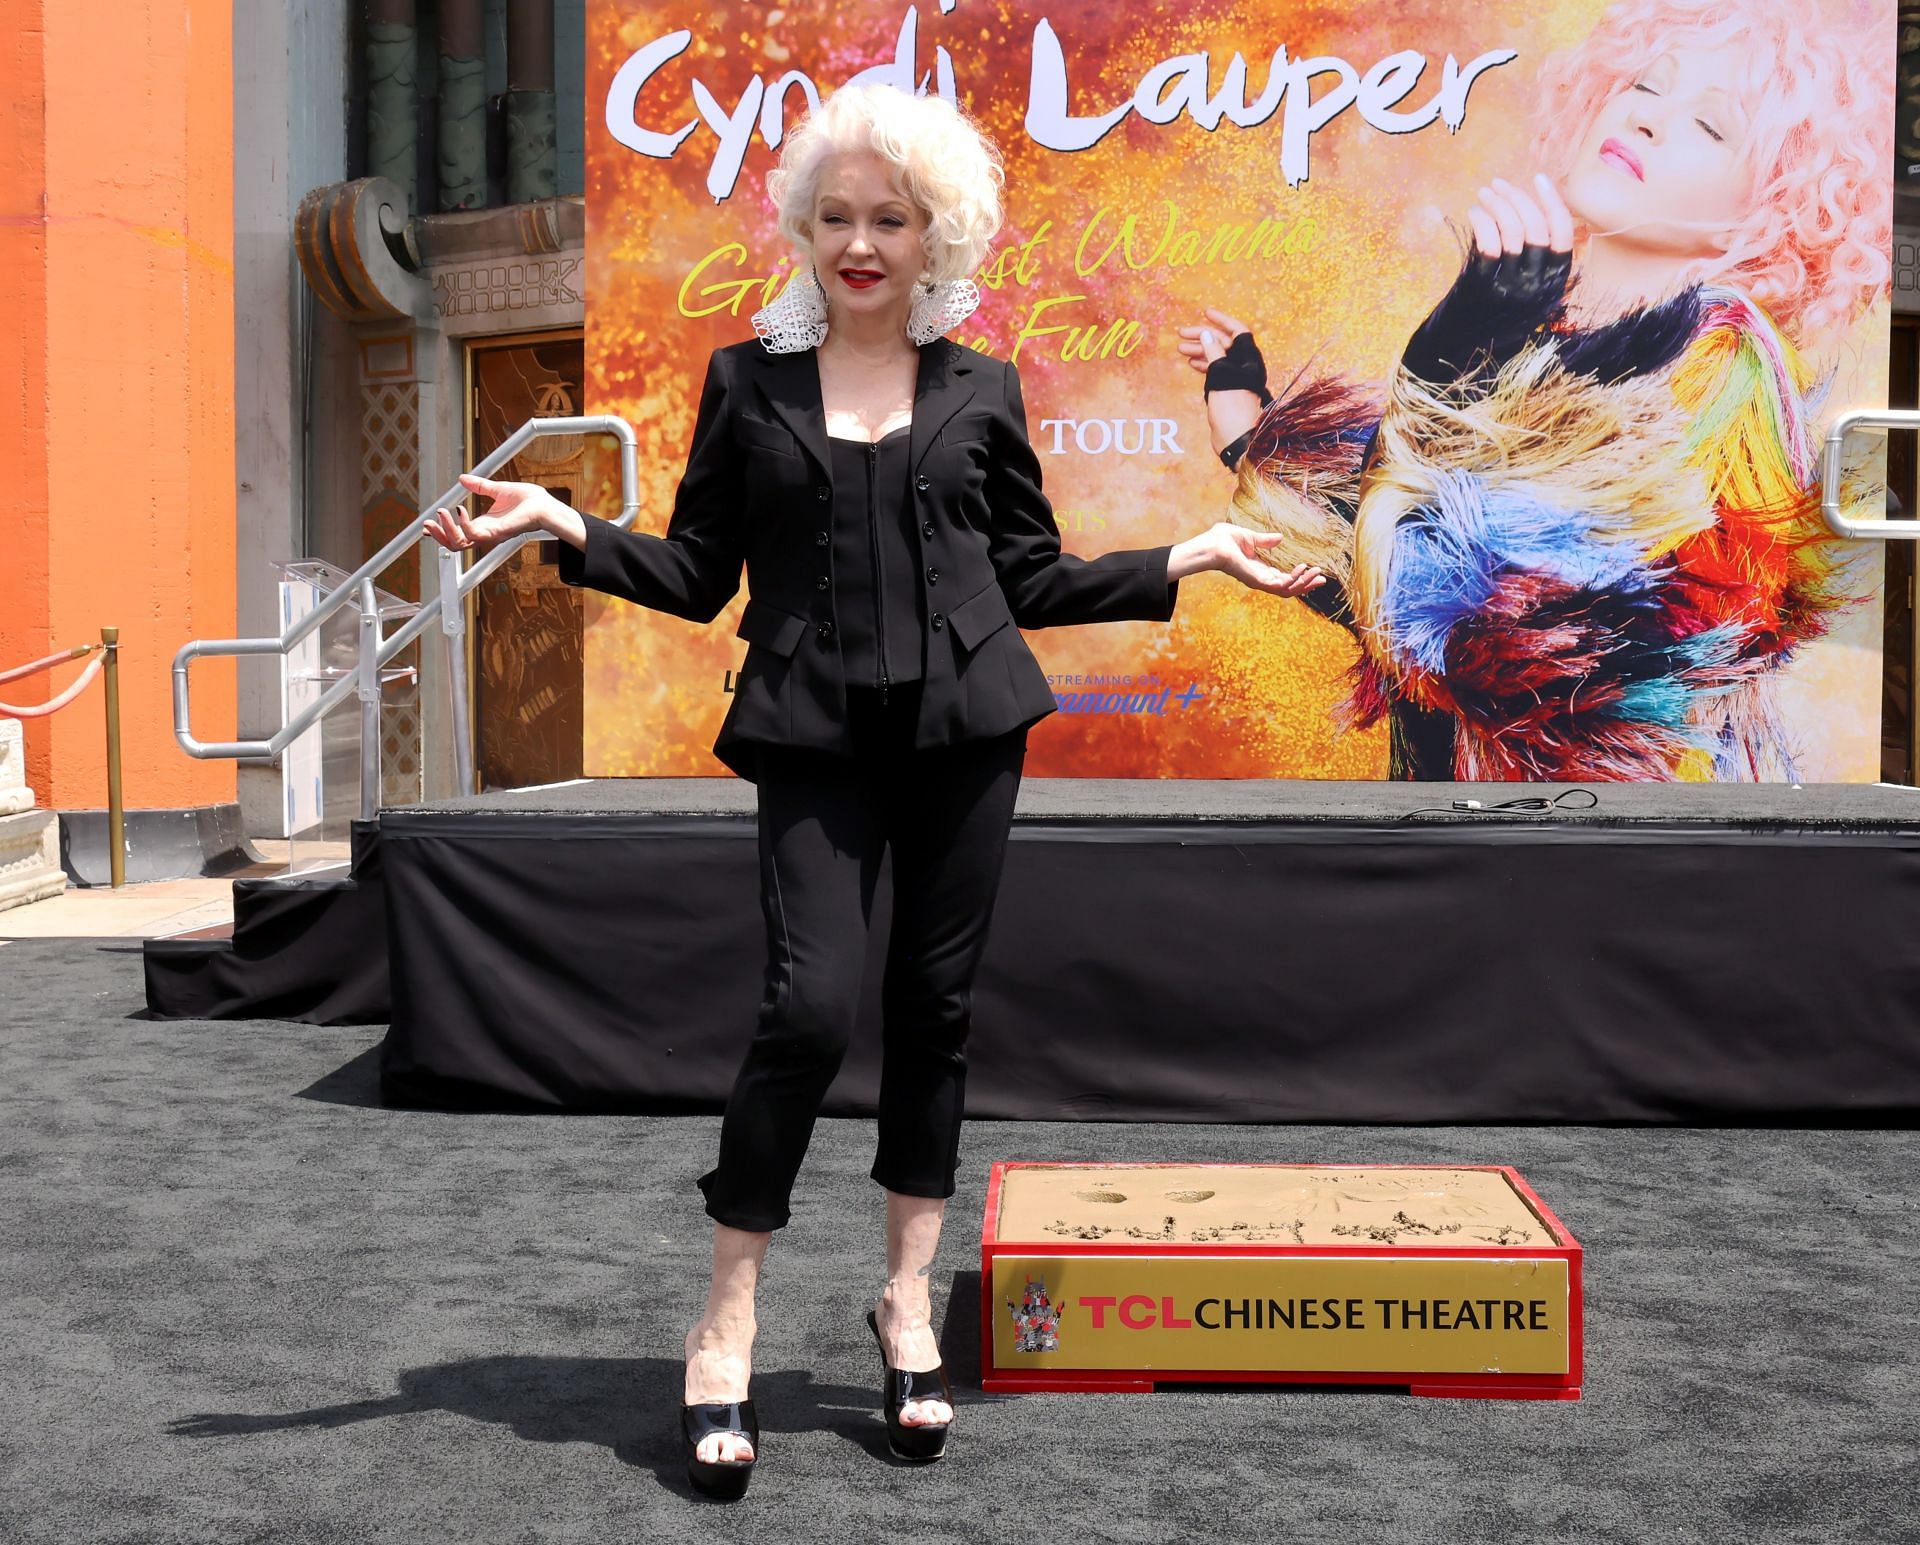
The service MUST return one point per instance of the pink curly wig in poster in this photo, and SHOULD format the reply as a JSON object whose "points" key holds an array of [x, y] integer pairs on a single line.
{"points": [[1813, 250]]}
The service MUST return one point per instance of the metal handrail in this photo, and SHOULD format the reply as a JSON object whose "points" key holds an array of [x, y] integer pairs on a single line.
{"points": [[1845, 525], [356, 590], [1837, 519]]}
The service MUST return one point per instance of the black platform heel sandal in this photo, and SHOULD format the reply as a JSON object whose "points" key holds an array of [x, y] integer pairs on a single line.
{"points": [[919, 1444], [723, 1479]]}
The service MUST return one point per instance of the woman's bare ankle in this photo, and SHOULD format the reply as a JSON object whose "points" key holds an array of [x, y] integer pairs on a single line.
{"points": [[728, 1333], [907, 1293], [719, 1368], [906, 1327]]}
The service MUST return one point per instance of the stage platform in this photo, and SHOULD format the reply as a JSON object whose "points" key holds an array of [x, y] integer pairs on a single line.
{"points": [[1161, 951], [1737, 806]]}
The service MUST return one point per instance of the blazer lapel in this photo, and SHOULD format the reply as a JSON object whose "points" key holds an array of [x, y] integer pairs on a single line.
{"points": [[791, 385], [942, 390]]}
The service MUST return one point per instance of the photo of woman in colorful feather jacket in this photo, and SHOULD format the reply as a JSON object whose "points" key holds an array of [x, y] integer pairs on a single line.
{"points": [[1579, 534]]}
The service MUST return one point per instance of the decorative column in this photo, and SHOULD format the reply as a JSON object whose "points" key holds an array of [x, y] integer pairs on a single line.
{"points": [[393, 104], [463, 105], [532, 152]]}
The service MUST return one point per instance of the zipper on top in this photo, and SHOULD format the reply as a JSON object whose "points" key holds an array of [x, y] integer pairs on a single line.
{"points": [[879, 580]]}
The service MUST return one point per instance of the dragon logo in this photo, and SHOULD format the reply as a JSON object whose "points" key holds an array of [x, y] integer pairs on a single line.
{"points": [[1036, 1322]]}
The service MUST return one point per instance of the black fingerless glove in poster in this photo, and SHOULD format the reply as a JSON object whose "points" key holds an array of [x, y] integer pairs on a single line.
{"points": [[1240, 369], [1495, 306]]}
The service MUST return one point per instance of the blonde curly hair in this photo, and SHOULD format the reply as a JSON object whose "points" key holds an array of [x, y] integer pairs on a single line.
{"points": [[938, 157]]}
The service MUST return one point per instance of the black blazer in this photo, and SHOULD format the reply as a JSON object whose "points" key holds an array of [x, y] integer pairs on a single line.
{"points": [[758, 491]]}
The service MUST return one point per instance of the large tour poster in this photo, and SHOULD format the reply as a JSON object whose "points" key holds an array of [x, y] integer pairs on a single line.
{"points": [[1567, 491]]}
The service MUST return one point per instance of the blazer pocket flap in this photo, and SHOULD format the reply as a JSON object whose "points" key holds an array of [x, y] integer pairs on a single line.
{"points": [[979, 617], [771, 628], [767, 437], [966, 429]]}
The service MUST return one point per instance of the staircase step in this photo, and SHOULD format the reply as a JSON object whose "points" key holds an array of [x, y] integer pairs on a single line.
{"points": [[213, 931], [310, 946]]}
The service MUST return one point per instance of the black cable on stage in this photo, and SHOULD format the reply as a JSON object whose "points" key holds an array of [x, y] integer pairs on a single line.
{"points": [[1530, 804]]}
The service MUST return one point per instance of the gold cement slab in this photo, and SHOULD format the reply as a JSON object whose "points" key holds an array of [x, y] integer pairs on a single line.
{"points": [[1388, 1206]]}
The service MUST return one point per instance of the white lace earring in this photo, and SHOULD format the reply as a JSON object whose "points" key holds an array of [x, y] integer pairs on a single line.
{"points": [[797, 319], [939, 308]]}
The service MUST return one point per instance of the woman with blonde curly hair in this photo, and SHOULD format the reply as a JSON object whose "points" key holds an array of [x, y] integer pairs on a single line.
{"points": [[877, 484], [1581, 535]]}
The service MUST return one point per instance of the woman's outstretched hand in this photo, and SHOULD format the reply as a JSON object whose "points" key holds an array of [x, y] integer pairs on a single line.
{"points": [[1236, 550], [1231, 413], [514, 510]]}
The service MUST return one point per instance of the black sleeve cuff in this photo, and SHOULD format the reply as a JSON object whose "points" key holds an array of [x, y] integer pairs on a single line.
{"points": [[572, 561], [586, 566]]}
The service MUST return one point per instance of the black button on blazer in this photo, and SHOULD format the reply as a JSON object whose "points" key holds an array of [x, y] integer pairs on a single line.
{"points": [[758, 469]]}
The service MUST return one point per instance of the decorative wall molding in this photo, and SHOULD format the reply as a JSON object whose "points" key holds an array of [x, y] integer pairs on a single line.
{"points": [[507, 230], [390, 450], [1906, 269], [494, 295], [386, 358], [389, 442]]}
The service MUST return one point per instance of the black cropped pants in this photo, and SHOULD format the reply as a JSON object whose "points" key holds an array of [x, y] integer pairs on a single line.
{"points": [[825, 822]]}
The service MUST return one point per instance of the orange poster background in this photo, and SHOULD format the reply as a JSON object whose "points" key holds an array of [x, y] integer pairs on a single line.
{"points": [[1360, 253]]}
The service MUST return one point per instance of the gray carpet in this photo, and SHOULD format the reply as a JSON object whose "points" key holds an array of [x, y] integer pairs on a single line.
{"points": [[241, 1302]]}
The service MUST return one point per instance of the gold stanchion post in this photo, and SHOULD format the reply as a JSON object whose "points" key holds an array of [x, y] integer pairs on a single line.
{"points": [[116, 810]]}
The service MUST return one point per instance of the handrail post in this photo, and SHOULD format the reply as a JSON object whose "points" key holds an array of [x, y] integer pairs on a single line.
{"points": [[116, 807], [369, 694], [453, 630]]}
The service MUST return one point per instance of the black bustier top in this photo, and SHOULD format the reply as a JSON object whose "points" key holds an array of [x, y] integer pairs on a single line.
{"points": [[876, 563]]}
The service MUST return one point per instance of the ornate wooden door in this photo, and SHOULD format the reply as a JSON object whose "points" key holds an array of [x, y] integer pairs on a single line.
{"points": [[527, 630]]}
